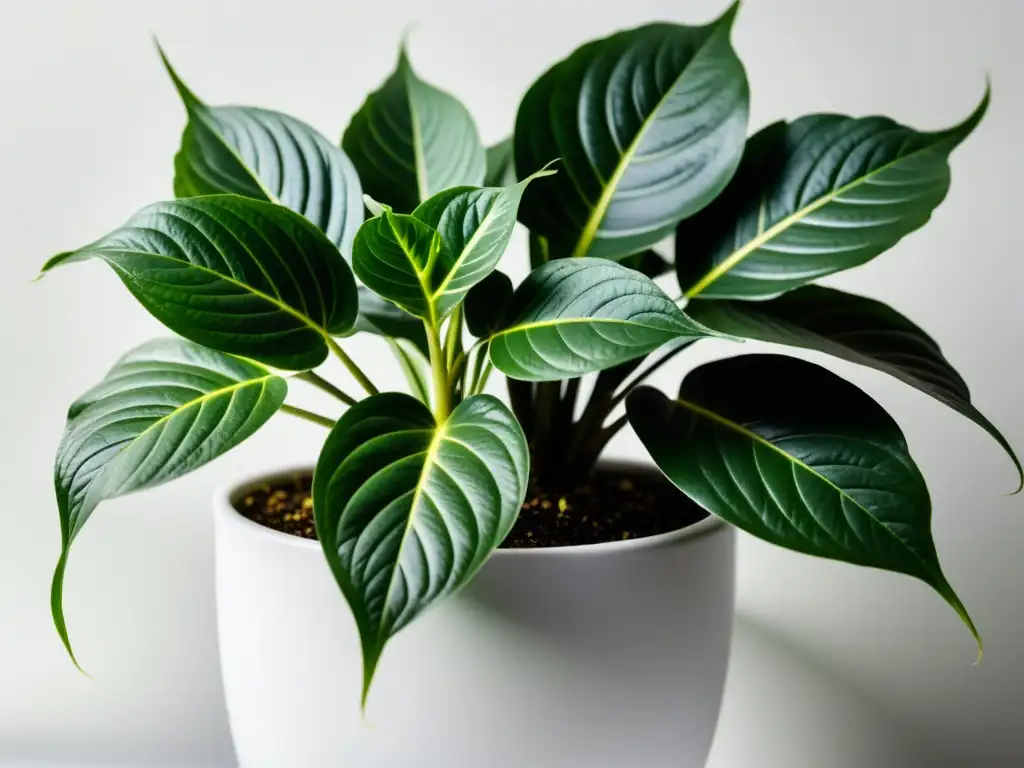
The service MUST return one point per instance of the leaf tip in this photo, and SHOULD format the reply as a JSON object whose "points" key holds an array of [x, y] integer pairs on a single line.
{"points": [[57, 610], [728, 18], [374, 207], [189, 98]]}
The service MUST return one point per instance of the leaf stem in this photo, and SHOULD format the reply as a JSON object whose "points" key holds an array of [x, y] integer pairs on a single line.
{"points": [[354, 369], [454, 335], [309, 416], [442, 393], [478, 366], [628, 387], [321, 383]]}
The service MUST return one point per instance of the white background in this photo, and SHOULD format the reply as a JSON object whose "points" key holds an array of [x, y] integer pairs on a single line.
{"points": [[834, 666]]}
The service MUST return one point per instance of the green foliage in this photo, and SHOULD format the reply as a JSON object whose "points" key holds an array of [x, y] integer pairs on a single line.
{"points": [[628, 140]]}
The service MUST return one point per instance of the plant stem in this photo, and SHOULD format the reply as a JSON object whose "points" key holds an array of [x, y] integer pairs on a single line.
{"points": [[488, 367], [478, 366], [453, 336], [628, 387], [442, 394], [321, 383], [354, 369], [302, 413]]}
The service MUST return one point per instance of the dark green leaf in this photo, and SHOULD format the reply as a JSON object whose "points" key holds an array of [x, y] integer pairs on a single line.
{"points": [[165, 409], [381, 317], [487, 304], [237, 275], [855, 329], [649, 124], [796, 456], [410, 140], [577, 316], [649, 262], [268, 156], [501, 169], [813, 197], [407, 510]]}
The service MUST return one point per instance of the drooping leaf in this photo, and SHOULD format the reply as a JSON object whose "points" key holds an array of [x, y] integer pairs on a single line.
{"points": [[813, 197], [407, 509], [501, 169], [855, 329], [268, 156], [381, 317], [425, 262], [410, 141], [487, 304], [238, 275], [795, 455], [649, 262], [577, 316], [163, 410], [649, 125]]}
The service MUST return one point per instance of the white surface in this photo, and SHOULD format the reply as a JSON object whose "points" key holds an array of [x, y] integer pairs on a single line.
{"points": [[89, 131], [601, 657]]}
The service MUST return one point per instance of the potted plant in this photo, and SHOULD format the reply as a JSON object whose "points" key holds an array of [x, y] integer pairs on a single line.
{"points": [[584, 606]]}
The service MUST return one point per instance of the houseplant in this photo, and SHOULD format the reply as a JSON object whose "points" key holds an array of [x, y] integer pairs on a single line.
{"points": [[413, 492]]}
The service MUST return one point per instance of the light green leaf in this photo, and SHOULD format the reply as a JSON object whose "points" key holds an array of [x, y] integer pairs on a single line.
{"points": [[410, 140], [238, 275], [855, 329], [649, 124], [813, 197], [576, 316], [501, 168], [794, 455], [407, 510], [165, 409], [267, 156]]}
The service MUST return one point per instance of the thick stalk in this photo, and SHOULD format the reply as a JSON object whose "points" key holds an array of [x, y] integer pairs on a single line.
{"points": [[354, 369], [309, 416], [442, 393], [323, 384]]}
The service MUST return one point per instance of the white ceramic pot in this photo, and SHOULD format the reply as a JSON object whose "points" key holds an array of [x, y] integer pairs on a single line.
{"points": [[600, 656]]}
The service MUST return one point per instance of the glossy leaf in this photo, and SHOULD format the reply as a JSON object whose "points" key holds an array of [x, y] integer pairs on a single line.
{"points": [[577, 316], [241, 276], [165, 409], [487, 304], [855, 329], [267, 156], [501, 167], [408, 510], [813, 197], [794, 455], [426, 262], [410, 141], [381, 317], [649, 125]]}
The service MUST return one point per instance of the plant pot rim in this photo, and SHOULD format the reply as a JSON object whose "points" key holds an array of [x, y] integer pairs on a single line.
{"points": [[225, 495]]}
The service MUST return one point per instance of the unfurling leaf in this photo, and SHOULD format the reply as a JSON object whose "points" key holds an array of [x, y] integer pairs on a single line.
{"points": [[794, 455], [649, 125], [813, 197], [165, 409], [237, 275], [407, 510], [410, 141], [576, 316], [267, 156]]}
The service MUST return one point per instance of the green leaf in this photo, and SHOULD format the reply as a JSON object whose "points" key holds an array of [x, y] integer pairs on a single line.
{"points": [[572, 317], [407, 510], [501, 168], [813, 197], [855, 329], [381, 317], [410, 140], [415, 367], [487, 304], [166, 408], [267, 156], [426, 262], [237, 275], [794, 455], [649, 263], [649, 124]]}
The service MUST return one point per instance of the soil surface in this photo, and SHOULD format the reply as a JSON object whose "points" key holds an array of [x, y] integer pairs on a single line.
{"points": [[609, 506]]}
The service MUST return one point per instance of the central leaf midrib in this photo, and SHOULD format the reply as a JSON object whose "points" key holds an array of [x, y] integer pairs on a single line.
{"points": [[791, 220], [729, 424], [573, 321]]}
